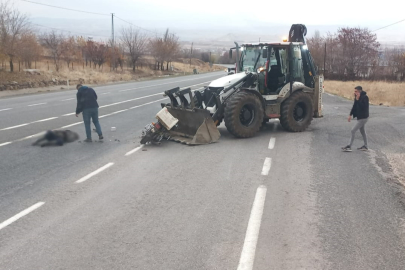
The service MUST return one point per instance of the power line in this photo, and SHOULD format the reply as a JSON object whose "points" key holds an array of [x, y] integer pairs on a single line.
{"points": [[389, 25], [103, 14], [64, 30], [95, 13], [136, 25]]}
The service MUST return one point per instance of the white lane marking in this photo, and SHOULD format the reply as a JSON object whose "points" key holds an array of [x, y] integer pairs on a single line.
{"points": [[105, 93], [81, 180], [15, 126], [6, 143], [247, 256], [71, 125], [6, 109], [147, 103], [113, 113], [20, 215], [266, 166], [67, 99], [129, 100], [36, 104], [68, 114], [43, 120], [134, 150], [124, 90], [272, 143], [31, 136]]}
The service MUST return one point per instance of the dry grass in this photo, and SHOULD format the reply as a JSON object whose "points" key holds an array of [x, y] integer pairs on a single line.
{"points": [[89, 75], [387, 93]]}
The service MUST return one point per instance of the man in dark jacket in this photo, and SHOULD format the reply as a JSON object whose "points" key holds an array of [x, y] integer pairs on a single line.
{"points": [[87, 103], [360, 110]]}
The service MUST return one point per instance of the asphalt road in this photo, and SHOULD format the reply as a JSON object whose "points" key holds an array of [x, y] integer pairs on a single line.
{"points": [[276, 201]]}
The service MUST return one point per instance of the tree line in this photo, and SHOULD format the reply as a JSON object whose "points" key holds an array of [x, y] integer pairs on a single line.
{"points": [[355, 53], [20, 41]]}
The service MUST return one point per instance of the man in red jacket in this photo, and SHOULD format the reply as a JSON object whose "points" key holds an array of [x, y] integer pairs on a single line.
{"points": [[360, 110]]}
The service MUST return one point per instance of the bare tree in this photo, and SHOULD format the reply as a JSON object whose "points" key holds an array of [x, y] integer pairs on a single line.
{"points": [[135, 43], [13, 25], [29, 50], [157, 51], [359, 50], [165, 49], [70, 50], [171, 47], [53, 42]]}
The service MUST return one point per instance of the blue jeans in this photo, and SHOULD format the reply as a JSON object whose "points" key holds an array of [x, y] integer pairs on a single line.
{"points": [[88, 114]]}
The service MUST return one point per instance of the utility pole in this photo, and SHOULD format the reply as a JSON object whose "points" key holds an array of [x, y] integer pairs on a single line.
{"points": [[112, 40], [191, 52]]}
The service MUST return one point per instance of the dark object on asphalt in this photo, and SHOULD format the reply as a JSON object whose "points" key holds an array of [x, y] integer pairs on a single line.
{"points": [[363, 148], [57, 138]]}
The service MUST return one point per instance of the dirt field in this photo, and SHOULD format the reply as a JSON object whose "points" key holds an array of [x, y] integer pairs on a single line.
{"points": [[385, 93]]}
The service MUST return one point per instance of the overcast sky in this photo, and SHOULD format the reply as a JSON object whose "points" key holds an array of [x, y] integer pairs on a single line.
{"points": [[220, 17]]}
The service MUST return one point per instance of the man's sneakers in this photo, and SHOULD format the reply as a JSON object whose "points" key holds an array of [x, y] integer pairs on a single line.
{"points": [[363, 148], [100, 138], [87, 140], [347, 149]]}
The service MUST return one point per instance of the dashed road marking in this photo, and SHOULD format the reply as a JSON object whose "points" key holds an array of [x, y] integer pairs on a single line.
{"points": [[272, 143], [247, 256], [37, 104], [43, 120], [71, 125], [6, 109], [68, 99], [134, 150], [6, 143], [20, 215], [87, 177], [266, 166], [15, 126]]}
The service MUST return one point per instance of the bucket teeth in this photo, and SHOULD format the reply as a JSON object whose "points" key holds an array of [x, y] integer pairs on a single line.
{"points": [[195, 126]]}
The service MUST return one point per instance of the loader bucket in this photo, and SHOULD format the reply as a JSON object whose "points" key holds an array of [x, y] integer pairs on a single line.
{"points": [[195, 126]]}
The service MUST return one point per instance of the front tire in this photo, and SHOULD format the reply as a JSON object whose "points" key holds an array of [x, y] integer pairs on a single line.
{"points": [[243, 115], [297, 112]]}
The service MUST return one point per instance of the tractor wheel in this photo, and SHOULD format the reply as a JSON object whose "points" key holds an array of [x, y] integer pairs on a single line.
{"points": [[243, 115], [296, 112]]}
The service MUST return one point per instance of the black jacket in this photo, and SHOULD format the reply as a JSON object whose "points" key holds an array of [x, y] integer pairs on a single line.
{"points": [[360, 107], [86, 99]]}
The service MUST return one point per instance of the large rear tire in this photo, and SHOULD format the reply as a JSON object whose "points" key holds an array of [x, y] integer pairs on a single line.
{"points": [[297, 112], [243, 115]]}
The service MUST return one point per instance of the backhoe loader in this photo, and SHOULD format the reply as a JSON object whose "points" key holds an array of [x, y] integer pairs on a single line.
{"points": [[271, 80]]}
